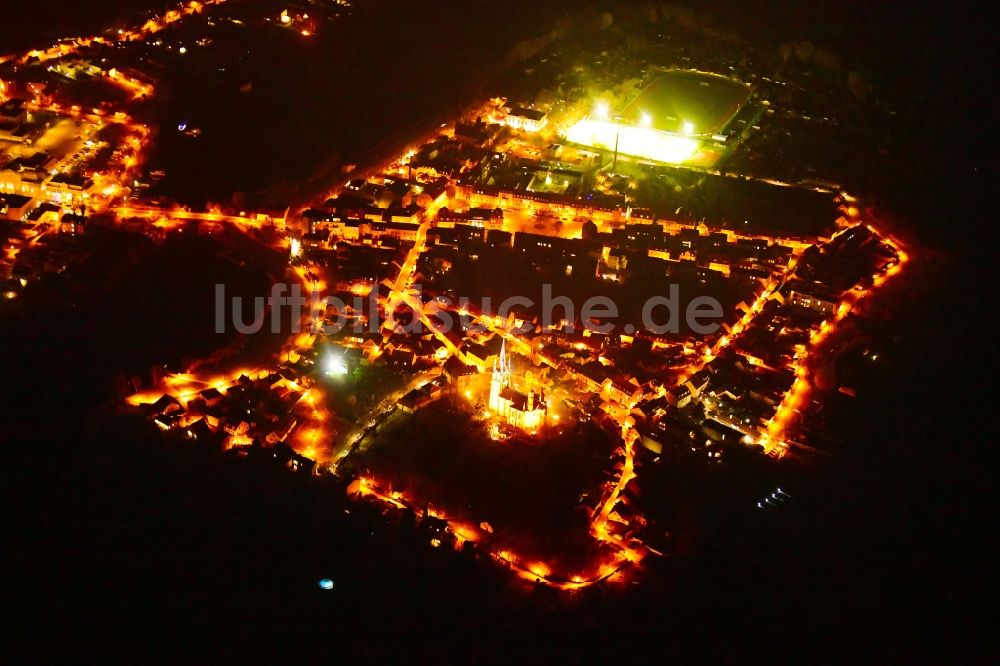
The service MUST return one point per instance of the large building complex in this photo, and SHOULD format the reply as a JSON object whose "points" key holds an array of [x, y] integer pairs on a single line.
{"points": [[520, 410], [669, 121]]}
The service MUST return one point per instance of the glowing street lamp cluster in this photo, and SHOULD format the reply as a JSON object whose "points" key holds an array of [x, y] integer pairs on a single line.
{"points": [[642, 141], [600, 130]]}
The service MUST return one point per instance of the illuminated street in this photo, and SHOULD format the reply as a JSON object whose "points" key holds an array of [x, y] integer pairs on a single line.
{"points": [[435, 217], [383, 324]]}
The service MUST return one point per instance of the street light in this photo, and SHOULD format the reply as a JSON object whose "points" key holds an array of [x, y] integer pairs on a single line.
{"points": [[602, 111], [335, 366], [618, 133], [646, 119]]}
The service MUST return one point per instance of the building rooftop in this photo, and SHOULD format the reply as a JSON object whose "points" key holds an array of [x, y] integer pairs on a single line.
{"points": [[525, 112]]}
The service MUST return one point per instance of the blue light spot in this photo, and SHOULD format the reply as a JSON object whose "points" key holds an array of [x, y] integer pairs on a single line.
{"points": [[326, 584]]}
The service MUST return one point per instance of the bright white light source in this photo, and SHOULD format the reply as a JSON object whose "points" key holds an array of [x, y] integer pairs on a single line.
{"points": [[182, 50], [334, 366], [688, 128], [285, 18], [646, 119], [633, 140], [602, 111], [296, 248]]}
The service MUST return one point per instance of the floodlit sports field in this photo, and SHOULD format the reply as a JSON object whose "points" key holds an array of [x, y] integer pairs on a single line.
{"points": [[668, 120]]}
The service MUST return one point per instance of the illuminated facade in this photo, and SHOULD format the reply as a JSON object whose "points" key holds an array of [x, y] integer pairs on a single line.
{"points": [[521, 410], [528, 120]]}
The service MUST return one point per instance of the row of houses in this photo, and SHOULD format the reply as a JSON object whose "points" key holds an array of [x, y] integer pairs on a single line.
{"points": [[262, 410], [360, 230], [30, 178]]}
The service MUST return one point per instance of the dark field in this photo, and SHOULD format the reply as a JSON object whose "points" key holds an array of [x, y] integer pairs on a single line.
{"points": [[529, 491], [131, 310], [707, 102]]}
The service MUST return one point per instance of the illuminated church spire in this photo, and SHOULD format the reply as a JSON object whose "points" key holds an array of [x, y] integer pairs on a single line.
{"points": [[521, 410], [504, 369]]}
